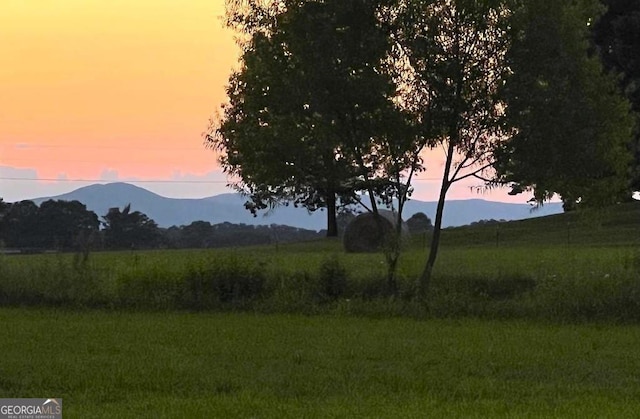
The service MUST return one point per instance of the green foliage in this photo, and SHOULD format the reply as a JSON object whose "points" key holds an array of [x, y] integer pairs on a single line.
{"points": [[308, 106], [617, 38], [571, 126]]}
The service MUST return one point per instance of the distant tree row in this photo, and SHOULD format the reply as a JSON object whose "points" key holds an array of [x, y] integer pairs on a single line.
{"points": [[202, 234], [54, 225], [70, 226]]}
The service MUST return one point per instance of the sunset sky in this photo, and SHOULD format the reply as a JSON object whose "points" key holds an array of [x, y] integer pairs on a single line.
{"points": [[121, 90]]}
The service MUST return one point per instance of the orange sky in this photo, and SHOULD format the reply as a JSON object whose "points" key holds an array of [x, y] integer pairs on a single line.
{"points": [[117, 90]]}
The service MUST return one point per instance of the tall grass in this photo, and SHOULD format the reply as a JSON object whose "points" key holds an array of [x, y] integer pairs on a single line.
{"points": [[558, 282]]}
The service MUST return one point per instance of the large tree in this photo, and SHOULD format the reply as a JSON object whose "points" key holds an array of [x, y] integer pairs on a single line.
{"points": [[617, 37], [309, 104], [570, 125]]}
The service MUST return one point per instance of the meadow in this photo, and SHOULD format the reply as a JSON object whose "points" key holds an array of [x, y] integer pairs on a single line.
{"points": [[537, 318], [559, 268]]}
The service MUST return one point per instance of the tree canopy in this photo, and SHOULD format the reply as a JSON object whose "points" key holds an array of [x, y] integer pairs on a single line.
{"points": [[453, 53], [571, 126], [307, 106], [616, 35], [126, 229], [53, 225]]}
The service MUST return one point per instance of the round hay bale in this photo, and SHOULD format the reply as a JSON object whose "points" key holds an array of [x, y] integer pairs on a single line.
{"points": [[366, 234]]}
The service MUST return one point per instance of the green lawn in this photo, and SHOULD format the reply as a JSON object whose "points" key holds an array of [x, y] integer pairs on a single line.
{"points": [[116, 364]]}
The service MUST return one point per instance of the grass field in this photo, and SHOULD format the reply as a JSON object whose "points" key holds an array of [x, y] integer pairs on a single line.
{"points": [[126, 365], [553, 283], [537, 318]]}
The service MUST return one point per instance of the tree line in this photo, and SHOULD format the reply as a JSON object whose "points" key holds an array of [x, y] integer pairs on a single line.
{"points": [[336, 101], [70, 226]]}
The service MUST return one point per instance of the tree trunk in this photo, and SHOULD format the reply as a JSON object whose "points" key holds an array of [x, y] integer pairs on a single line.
{"points": [[424, 281], [332, 220]]}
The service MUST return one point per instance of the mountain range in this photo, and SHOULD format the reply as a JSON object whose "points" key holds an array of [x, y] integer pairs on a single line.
{"points": [[229, 208]]}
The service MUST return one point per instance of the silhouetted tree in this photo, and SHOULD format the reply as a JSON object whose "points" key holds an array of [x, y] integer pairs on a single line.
{"points": [[198, 234], [20, 225], [66, 225], [129, 230], [617, 37], [309, 105], [571, 125], [453, 57], [419, 223]]}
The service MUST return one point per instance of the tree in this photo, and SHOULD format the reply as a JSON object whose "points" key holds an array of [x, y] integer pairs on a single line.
{"points": [[571, 127], [129, 230], [198, 234], [617, 38], [453, 57], [62, 224], [309, 105], [419, 223], [19, 225], [4, 210]]}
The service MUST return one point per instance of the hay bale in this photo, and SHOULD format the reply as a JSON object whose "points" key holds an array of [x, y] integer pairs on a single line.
{"points": [[365, 234]]}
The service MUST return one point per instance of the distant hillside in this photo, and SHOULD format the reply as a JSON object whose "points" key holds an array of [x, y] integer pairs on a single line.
{"points": [[229, 208]]}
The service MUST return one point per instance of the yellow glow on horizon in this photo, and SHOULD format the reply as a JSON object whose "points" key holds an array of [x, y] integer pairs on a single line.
{"points": [[111, 72]]}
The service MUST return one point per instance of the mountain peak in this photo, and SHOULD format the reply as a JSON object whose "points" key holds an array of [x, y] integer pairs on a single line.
{"points": [[114, 187]]}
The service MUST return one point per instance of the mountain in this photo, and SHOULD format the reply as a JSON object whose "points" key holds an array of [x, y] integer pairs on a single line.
{"points": [[229, 208]]}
